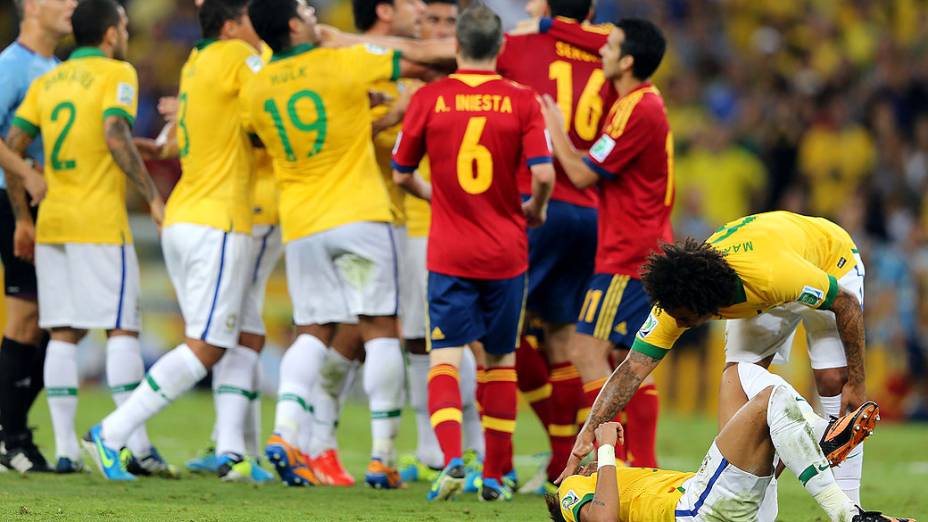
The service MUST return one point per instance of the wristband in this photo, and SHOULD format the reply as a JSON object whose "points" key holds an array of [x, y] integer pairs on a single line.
{"points": [[605, 456]]}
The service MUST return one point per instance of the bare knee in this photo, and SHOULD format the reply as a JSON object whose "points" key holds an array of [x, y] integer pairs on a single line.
{"points": [[22, 321], [494, 361], [416, 346], [830, 381], [252, 341], [68, 335], [323, 332], [377, 326], [208, 354]]}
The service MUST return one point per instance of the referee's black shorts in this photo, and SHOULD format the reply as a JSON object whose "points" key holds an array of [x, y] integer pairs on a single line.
{"points": [[18, 275]]}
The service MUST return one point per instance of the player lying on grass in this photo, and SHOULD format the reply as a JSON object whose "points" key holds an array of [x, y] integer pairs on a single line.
{"points": [[732, 480]]}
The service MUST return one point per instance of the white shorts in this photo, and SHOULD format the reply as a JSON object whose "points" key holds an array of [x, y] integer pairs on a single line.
{"points": [[209, 270], [720, 492], [266, 249], [343, 272], [413, 280], [88, 286], [771, 333]]}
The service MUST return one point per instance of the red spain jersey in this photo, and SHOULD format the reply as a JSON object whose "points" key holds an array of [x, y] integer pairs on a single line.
{"points": [[477, 129], [574, 78], [634, 157]]}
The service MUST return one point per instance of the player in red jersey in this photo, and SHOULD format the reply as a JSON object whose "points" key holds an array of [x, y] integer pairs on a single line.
{"points": [[632, 161], [561, 252], [477, 129]]}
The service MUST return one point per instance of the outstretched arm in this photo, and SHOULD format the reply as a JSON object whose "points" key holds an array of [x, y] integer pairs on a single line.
{"points": [[850, 321], [570, 158], [127, 157], [618, 390]]}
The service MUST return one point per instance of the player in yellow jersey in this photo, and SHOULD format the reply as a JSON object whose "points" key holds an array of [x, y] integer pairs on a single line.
{"points": [[764, 273], [732, 480], [310, 108], [88, 274], [207, 230]]}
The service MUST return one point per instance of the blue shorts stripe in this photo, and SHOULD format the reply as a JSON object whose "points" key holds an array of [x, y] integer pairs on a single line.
{"points": [[122, 285], [212, 307], [705, 494], [254, 276], [396, 272]]}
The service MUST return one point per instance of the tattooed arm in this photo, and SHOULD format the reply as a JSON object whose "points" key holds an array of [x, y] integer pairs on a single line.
{"points": [[24, 235], [618, 390], [850, 321], [127, 157]]}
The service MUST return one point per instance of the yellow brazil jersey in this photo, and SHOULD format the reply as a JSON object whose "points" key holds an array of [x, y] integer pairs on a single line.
{"points": [[419, 211], [310, 108], [383, 147], [216, 157], [645, 494], [265, 187], [780, 258], [86, 199]]}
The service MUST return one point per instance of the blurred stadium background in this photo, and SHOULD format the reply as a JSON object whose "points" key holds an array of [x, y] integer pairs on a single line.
{"points": [[815, 106]]}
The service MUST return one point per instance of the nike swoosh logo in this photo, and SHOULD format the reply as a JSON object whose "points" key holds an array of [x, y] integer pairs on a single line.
{"points": [[104, 458], [822, 468]]}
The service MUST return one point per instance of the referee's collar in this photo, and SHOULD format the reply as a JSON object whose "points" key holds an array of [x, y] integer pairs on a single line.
{"points": [[86, 52], [293, 51]]}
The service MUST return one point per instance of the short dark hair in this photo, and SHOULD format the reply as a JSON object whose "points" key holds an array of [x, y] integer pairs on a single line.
{"points": [[365, 12], [215, 13], [689, 274], [554, 507], [574, 9], [479, 32], [91, 19], [449, 2], [645, 42], [271, 20]]}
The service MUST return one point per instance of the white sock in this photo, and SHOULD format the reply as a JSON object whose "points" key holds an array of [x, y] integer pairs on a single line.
{"points": [[470, 425], [299, 370], [768, 509], [383, 382], [124, 372], [754, 379], [175, 372], [417, 375], [253, 419], [799, 450], [235, 389], [61, 382], [325, 394], [848, 473]]}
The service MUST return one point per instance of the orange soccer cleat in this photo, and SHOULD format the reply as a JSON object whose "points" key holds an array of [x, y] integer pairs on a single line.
{"points": [[330, 470], [289, 463], [845, 433], [381, 476]]}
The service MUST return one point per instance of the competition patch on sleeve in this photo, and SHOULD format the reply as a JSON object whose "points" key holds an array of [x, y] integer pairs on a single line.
{"points": [[601, 149], [125, 93], [811, 296], [254, 63], [376, 49], [648, 326], [570, 500]]}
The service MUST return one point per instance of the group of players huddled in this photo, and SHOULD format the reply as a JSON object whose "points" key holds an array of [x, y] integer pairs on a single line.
{"points": [[498, 206]]}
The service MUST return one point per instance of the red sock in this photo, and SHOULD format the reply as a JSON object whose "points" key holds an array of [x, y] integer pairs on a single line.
{"points": [[499, 420], [566, 397], [641, 415], [532, 374], [445, 409]]}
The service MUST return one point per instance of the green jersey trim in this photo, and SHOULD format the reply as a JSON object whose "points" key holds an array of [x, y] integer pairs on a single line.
{"points": [[654, 352], [204, 43], [740, 295], [26, 126], [832, 293], [583, 501], [119, 112], [293, 51], [86, 52], [396, 66]]}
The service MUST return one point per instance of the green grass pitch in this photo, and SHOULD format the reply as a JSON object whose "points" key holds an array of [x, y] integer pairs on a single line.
{"points": [[896, 470]]}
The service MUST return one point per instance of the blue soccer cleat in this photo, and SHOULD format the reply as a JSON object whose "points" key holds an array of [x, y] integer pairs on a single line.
{"points": [[472, 481], [510, 480], [449, 482], [260, 475], [107, 459], [414, 470], [492, 491], [289, 463], [150, 465], [66, 465], [206, 462]]}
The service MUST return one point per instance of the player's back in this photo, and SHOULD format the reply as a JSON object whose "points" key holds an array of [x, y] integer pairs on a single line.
{"points": [[311, 109], [216, 159], [574, 78], [86, 189], [645, 494], [474, 137]]}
